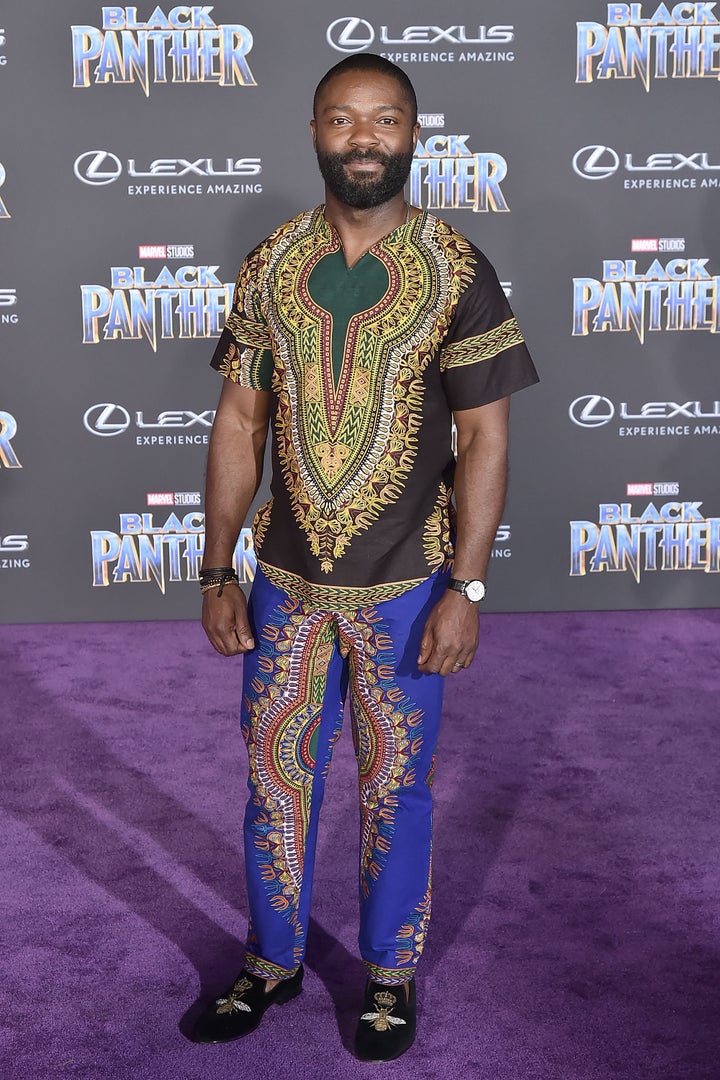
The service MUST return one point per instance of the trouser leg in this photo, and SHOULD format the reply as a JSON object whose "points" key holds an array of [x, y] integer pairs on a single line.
{"points": [[294, 685], [396, 717]]}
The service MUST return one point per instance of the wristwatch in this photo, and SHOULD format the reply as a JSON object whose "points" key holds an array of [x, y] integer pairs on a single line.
{"points": [[473, 590]]}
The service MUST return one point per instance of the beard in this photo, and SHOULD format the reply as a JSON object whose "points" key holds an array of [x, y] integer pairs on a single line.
{"points": [[365, 193]]}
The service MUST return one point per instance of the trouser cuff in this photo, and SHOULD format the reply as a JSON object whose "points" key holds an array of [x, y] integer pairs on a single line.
{"points": [[264, 969], [388, 976]]}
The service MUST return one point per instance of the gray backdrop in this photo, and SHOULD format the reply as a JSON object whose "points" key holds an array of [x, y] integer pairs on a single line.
{"points": [[570, 143]]}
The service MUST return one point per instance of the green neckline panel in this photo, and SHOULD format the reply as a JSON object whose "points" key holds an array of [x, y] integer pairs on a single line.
{"points": [[343, 293]]}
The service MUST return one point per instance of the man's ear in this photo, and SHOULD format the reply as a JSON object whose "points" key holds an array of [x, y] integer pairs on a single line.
{"points": [[313, 129]]}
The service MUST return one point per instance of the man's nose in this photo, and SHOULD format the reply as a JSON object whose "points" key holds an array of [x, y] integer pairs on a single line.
{"points": [[364, 135]]}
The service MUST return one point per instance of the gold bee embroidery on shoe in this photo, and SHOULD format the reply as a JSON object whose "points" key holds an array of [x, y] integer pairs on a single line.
{"points": [[232, 1002], [381, 1020]]}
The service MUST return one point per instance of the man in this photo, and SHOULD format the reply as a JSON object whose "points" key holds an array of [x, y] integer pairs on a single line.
{"points": [[359, 329]]}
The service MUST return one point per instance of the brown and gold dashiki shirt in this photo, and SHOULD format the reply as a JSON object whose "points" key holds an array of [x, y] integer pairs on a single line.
{"points": [[367, 365]]}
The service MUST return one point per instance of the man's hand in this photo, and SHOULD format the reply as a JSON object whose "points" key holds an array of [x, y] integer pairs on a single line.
{"points": [[225, 620], [235, 463], [451, 635]]}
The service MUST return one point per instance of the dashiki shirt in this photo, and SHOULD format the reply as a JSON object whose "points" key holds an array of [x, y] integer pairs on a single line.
{"points": [[367, 366]]}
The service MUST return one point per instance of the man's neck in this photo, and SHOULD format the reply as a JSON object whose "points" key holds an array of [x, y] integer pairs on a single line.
{"points": [[360, 229]]}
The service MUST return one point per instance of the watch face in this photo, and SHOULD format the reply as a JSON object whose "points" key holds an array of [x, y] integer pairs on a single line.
{"points": [[474, 590]]}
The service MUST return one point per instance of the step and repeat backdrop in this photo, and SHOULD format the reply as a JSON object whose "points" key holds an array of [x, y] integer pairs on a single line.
{"points": [[145, 150]]}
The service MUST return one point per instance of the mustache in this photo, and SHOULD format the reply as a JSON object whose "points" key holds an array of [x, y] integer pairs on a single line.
{"points": [[363, 156]]}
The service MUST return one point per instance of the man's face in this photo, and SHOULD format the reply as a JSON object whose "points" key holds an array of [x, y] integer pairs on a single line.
{"points": [[364, 138]]}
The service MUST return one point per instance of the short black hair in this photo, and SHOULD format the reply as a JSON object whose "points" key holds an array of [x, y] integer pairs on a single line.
{"points": [[369, 62]]}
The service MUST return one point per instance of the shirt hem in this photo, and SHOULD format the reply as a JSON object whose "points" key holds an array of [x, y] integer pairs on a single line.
{"points": [[336, 597]]}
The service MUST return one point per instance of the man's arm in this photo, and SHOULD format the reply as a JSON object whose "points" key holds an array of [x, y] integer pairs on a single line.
{"points": [[234, 470], [451, 630]]}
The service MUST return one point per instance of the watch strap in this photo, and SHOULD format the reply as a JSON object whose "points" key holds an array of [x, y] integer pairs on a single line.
{"points": [[457, 585], [461, 586]]}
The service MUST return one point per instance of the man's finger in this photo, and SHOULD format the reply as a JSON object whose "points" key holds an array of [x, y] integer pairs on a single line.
{"points": [[425, 649], [226, 642], [432, 663], [223, 637], [244, 636], [446, 667]]}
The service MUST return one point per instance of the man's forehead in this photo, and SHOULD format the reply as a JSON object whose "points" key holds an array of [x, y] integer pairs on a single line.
{"points": [[385, 106], [384, 90]]}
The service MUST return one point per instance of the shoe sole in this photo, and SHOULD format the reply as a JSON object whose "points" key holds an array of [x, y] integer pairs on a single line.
{"points": [[379, 1061], [287, 994]]}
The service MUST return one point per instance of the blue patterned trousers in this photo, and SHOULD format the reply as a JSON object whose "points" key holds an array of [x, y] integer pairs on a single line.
{"points": [[295, 683]]}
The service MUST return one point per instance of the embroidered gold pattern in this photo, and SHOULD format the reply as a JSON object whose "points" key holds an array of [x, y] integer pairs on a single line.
{"points": [[248, 333], [335, 597], [265, 969], [261, 522], [346, 453], [436, 535], [251, 335], [283, 708], [411, 936], [232, 1002], [389, 976], [385, 725], [381, 1020], [481, 347], [242, 366]]}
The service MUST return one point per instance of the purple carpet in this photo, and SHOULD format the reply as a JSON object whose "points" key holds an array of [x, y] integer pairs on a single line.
{"points": [[576, 911]]}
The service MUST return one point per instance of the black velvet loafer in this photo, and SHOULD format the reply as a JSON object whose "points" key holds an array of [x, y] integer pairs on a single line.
{"points": [[386, 1028], [240, 1010]]}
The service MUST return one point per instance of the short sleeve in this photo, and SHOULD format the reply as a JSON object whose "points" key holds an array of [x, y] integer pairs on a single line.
{"points": [[483, 356], [244, 351]]}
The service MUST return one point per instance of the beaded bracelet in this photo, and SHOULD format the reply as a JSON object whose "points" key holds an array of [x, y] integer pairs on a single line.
{"points": [[217, 576], [215, 571]]}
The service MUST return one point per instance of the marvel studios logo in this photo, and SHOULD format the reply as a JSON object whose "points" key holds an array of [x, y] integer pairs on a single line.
{"points": [[667, 487], [173, 498], [166, 251], [658, 243], [431, 119]]}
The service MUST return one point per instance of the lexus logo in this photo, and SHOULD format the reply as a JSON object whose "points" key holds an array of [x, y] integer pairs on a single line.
{"points": [[97, 167], [591, 411], [106, 419], [349, 34], [596, 162]]}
